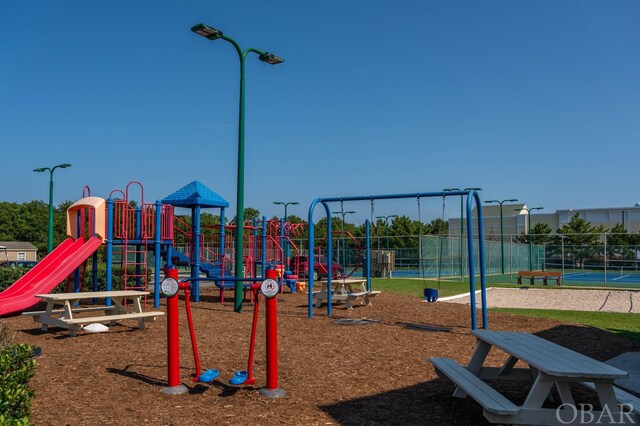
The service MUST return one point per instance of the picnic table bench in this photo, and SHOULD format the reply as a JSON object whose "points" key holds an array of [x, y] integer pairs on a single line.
{"points": [[544, 275], [65, 317], [549, 365], [347, 290]]}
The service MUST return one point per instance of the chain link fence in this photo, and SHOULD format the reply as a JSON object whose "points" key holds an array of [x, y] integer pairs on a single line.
{"points": [[587, 260]]}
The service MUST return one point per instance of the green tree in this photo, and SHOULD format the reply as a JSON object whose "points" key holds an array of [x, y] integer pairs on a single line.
{"points": [[250, 214], [540, 234], [438, 227], [581, 240], [620, 250], [404, 232]]}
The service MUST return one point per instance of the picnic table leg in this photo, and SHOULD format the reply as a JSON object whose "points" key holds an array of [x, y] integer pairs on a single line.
{"points": [[118, 302], [348, 304], [68, 312], [45, 327], [565, 393], [138, 309], [508, 366], [475, 363], [607, 396], [539, 391]]}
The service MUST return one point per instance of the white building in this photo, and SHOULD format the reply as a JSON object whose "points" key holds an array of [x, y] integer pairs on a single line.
{"points": [[515, 219]]}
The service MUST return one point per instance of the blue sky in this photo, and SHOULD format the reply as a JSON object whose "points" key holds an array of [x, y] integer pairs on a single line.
{"points": [[535, 100]]}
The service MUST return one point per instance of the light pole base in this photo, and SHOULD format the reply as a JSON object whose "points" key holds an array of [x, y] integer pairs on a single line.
{"points": [[175, 390], [272, 393]]}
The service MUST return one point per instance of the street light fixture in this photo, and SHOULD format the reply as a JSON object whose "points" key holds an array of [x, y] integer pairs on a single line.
{"points": [[344, 255], [386, 219], [291, 203], [51, 170], [510, 200], [214, 34], [529, 230]]}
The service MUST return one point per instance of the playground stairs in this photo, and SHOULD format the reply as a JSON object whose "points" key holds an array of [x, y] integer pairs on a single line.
{"points": [[211, 270]]}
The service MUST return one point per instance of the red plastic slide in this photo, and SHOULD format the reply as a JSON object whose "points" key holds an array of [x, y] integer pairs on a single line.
{"points": [[47, 274]]}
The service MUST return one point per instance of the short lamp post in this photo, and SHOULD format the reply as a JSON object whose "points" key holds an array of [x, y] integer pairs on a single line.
{"points": [[291, 203], [51, 170], [286, 242], [214, 34], [510, 200], [529, 231], [386, 220], [344, 254]]}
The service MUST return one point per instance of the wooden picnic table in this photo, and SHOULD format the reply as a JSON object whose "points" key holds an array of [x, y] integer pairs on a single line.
{"points": [[347, 290], [549, 365], [65, 317]]}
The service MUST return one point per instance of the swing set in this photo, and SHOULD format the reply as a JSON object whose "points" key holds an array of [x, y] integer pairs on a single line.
{"points": [[430, 294], [471, 195]]}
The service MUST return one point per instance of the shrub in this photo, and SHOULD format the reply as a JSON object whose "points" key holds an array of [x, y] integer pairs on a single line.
{"points": [[17, 366], [10, 275]]}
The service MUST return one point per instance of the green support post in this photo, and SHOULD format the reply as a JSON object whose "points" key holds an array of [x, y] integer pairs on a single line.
{"points": [[214, 34]]}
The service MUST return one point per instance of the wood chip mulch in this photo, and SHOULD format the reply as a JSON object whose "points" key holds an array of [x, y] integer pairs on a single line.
{"points": [[368, 373]]}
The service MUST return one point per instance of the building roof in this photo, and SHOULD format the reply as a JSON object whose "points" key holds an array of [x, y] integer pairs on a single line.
{"points": [[17, 245], [195, 194]]}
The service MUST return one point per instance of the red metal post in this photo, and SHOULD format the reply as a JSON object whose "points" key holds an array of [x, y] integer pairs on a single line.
{"points": [[271, 321], [194, 346], [173, 334], [254, 328]]}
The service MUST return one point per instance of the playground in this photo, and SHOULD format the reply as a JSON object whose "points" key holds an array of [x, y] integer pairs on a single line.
{"points": [[333, 373], [344, 356]]}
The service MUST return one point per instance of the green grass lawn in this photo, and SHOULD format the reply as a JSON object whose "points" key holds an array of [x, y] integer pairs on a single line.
{"points": [[414, 287], [627, 325]]}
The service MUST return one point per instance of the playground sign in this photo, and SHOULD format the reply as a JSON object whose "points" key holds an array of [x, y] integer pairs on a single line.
{"points": [[269, 288], [169, 286]]}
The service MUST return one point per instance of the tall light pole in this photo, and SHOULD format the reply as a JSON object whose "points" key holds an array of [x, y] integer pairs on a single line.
{"points": [[291, 203], [51, 170], [343, 251], [529, 230], [510, 200], [214, 34], [386, 219]]}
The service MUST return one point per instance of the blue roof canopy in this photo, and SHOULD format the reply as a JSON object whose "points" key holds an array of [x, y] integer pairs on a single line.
{"points": [[195, 194]]}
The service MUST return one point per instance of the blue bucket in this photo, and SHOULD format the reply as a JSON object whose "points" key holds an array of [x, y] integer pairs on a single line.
{"points": [[430, 294]]}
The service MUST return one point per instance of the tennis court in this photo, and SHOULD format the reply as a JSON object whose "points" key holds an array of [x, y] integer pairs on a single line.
{"points": [[617, 277]]}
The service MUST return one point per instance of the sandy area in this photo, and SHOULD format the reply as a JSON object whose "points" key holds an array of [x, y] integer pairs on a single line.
{"points": [[570, 300]]}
